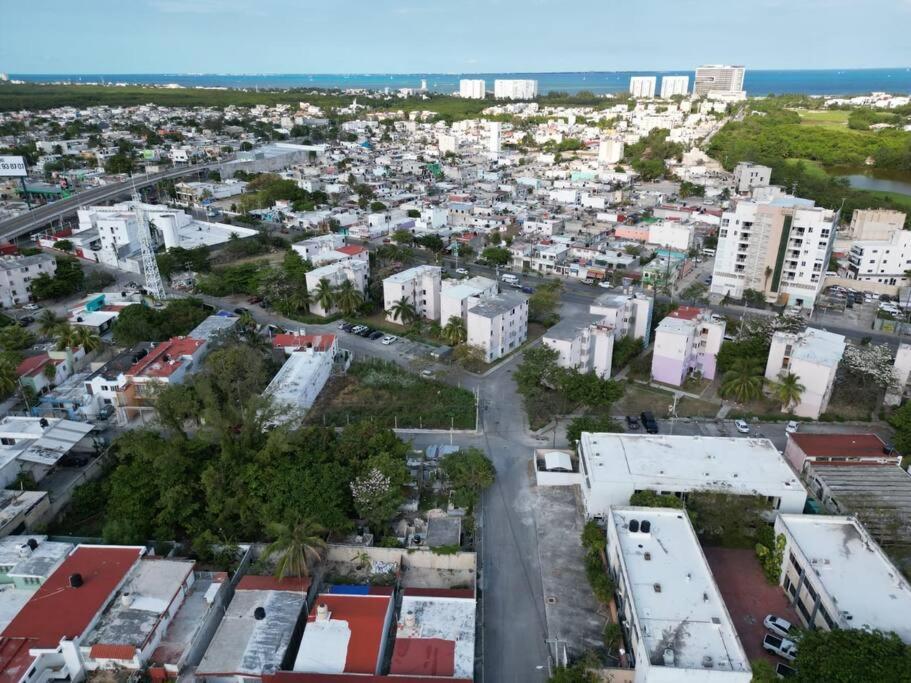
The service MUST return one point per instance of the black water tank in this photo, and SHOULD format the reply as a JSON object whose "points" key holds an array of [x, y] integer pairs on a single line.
{"points": [[634, 525], [32, 543], [75, 580], [259, 613], [646, 526]]}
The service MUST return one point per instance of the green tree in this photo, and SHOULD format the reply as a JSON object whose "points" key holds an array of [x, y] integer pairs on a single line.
{"points": [[324, 294], [376, 207], [402, 236], [48, 321], [454, 332], [469, 472], [176, 404], [88, 339], [850, 655], [652, 499], [298, 546], [347, 298], [590, 423], [788, 390], [377, 492], [9, 379], [15, 338], [496, 255], [743, 381], [900, 419], [404, 311], [577, 673], [64, 245], [543, 302], [763, 672]]}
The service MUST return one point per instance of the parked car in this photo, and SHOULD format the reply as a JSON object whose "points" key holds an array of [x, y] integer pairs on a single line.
{"points": [[784, 648], [590, 281], [373, 336], [461, 271], [791, 427], [348, 327], [649, 422], [73, 460], [26, 320], [718, 318], [785, 671], [604, 283], [341, 324], [742, 426], [31, 307], [632, 422], [389, 339], [528, 290], [365, 332], [240, 310], [778, 626], [426, 373]]}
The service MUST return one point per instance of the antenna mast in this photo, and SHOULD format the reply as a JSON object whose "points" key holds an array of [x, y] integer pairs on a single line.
{"points": [[154, 284]]}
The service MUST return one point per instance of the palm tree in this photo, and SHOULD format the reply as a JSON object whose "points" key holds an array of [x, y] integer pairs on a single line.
{"points": [[245, 321], [8, 377], [454, 332], [347, 298], [403, 311], [788, 390], [48, 322], [88, 339], [324, 294], [15, 338], [67, 337], [743, 381], [298, 547]]}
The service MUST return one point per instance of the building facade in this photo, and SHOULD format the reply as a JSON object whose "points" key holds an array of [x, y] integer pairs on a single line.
{"points": [[748, 176], [515, 89], [686, 341], [642, 87], [472, 88], [354, 270], [674, 85], [813, 356], [16, 275], [420, 286], [498, 325], [718, 78]]}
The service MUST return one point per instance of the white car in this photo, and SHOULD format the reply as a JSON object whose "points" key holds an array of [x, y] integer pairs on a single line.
{"points": [[461, 271], [742, 426], [427, 373], [605, 284], [778, 626], [791, 427], [389, 339], [31, 307]]}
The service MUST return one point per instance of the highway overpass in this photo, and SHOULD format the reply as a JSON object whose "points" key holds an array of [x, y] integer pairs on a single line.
{"points": [[32, 220]]}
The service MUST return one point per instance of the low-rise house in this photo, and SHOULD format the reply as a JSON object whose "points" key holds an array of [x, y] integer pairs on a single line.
{"points": [[837, 577], [838, 449], [169, 362], [813, 356], [420, 286], [671, 234], [40, 372], [17, 273], [328, 248], [686, 341], [498, 324], [26, 562], [106, 386], [34, 445], [346, 633], [214, 326], [676, 624], [22, 511], [255, 633], [615, 466]]}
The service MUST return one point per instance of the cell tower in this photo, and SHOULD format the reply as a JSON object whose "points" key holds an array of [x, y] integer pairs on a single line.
{"points": [[154, 285]]}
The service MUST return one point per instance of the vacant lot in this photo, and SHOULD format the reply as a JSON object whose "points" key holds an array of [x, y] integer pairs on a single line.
{"points": [[824, 118], [392, 397], [639, 397]]}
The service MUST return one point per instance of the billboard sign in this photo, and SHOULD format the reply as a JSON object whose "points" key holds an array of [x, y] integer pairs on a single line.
{"points": [[12, 167]]}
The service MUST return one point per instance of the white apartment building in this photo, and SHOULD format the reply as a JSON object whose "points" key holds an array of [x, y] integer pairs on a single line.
{"points": [[472, 88], [642, 86], [610, 151], [776, 244], [419, 285], [515, 89], [665, 587], [671, 234], [615, 466], [686, 341], [813, 355], [16, 274], [336, 273], [902, 372], [718, 78], [493, 139], [748, 176], [447, 143], [498, 324], [674, 85], [319, 249], [456, 296], [884, 261], [586, 342], [837, 577]]}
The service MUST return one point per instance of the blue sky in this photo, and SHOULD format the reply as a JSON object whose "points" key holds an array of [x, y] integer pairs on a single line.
{"points": [[410, 36]]}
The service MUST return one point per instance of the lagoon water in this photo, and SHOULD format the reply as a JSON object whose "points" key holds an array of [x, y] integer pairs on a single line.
{"points": [[757, 82]]}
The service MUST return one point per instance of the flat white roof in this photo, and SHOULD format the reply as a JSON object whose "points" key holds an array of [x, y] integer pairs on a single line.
{"points": [[854, 571], [200, 233], [443, 618], [673, 593], [732, 465], [817, 346], [415, 272], [291, 383]]}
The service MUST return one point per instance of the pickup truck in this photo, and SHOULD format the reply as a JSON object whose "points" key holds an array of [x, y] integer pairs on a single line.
{"points": [[780, 646]]}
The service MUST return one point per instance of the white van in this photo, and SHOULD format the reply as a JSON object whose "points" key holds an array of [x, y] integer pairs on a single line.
{"points": [[708, 252], [509, 278]]}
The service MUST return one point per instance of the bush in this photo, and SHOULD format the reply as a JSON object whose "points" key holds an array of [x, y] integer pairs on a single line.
{"points": [[593, 537]]}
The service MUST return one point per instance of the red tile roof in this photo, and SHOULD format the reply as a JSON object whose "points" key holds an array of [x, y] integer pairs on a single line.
{"points": [[154, 363], [840, 445], [366, 617], [686, 313], [270, 583], [33, 365], [110, 651], [427, 656], [57, 610], [320, 342], [351, 249]]}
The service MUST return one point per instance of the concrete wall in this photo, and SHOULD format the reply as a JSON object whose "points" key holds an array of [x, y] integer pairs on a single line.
{"points": [[416, 559]]}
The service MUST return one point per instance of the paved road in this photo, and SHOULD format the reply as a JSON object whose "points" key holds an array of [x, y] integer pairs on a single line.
{"points": [[37, 218]]}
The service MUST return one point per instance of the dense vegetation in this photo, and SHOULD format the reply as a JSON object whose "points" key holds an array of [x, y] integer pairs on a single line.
{"points": [[139, 322]]}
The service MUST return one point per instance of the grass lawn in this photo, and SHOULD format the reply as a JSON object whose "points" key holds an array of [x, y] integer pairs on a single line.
{"points": [[639, 397], [851, 403], [811, 167], [696, 407], [824, 118], [391, 396], [903, 200]]}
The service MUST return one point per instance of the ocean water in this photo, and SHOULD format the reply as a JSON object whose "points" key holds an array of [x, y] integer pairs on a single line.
{"points": [[757, 82]]}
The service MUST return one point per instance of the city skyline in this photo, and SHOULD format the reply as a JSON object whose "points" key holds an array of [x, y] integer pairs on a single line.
{"points": [[397, 37]]}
